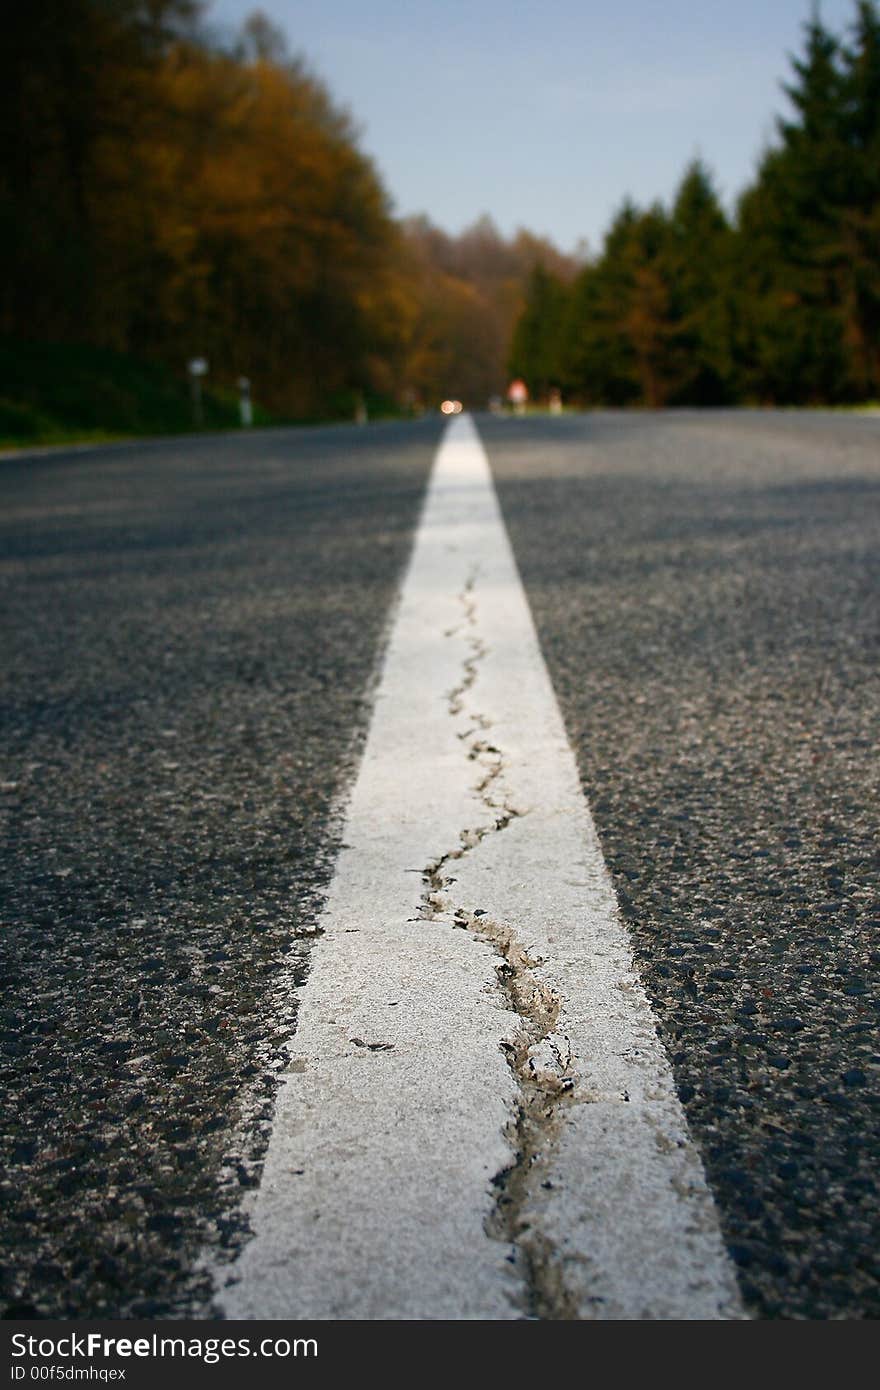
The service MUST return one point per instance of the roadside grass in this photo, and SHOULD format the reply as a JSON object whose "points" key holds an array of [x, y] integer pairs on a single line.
{"points": [[571, 408], [53, 393]]}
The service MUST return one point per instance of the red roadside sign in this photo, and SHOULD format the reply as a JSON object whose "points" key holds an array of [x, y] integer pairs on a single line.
{"points": [[518, 392]]}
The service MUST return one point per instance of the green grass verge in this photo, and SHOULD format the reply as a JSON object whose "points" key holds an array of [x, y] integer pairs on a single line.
{"points": [[60, 394], [56, 394]]}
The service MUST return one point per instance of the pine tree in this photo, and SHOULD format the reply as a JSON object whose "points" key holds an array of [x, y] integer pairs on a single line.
{"points": [[861, 213], [536, 349], [598, 364], [619, 339], [648, 320], [698, 265], [791, 248]]}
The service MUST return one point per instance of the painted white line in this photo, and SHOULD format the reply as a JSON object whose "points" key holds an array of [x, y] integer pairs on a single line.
{"points": [[478, 1120]]}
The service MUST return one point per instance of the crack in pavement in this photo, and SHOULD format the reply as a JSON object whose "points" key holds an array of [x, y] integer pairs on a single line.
{"points": [[377, 1198], [538, 1052]]}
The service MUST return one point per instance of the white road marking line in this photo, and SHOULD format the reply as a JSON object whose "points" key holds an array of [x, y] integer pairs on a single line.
{"points": [[478, 1119]]}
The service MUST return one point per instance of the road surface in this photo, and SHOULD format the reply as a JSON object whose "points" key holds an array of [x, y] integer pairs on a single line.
{"points": [[195, 636]]}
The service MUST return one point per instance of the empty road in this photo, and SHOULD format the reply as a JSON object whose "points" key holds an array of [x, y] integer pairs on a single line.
{"points": [[201, 639]]}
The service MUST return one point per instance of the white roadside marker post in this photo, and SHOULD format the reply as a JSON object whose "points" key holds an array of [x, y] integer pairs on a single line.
{"points": [[245, 407], [197, 368]]}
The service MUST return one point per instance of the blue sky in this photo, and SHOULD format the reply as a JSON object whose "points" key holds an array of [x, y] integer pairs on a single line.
{"points": [[547, 114]]}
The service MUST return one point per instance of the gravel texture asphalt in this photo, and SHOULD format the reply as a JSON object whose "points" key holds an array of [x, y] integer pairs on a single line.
{"points": [[191, 633], [190, 636], [705, 588]]}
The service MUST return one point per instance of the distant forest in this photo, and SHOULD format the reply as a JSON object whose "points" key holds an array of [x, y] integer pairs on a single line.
{"points": [[164, 195], [779, 305]]}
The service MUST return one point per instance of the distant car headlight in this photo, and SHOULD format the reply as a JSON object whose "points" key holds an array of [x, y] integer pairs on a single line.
{"points": [[451, 407]]}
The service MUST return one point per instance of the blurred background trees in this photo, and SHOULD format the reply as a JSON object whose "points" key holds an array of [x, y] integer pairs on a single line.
{"points": [[169, 200], [780, 305], [163, 196]]}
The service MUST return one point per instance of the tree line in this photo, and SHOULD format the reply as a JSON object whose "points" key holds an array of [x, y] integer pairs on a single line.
{"points": [[777, 304], [167, 195]]}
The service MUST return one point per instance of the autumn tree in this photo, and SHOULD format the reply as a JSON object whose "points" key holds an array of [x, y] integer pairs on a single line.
{"points": [[272, 228], [76, 87], [468, 292], [164, 197]]}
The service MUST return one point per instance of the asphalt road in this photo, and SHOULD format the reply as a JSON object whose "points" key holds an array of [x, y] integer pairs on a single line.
{"points": [[193, 632], [191, 638], [706, 592]]}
